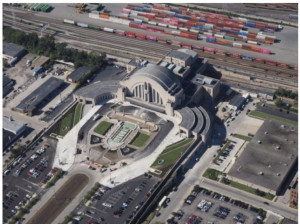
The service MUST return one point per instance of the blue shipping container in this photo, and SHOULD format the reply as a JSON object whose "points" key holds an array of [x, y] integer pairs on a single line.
{"points": [[270, 27], [250, 24], [136, 22], [39, 69], [210, 40], [246, 57], [199, 27], [244, 34], [203, 20]]}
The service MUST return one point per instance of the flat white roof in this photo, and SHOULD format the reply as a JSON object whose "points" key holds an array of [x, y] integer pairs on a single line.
{"points": [[11, 125]]}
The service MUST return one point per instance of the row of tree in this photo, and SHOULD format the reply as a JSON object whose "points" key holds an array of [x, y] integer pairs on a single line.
{"points": [[56, 51], [286, 93]]}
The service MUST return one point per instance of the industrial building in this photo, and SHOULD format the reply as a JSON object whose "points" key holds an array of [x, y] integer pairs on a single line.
{"points": [[7, 85], [293, 201], [236, 102], [41, 61], [78, 74], [11, 130], [163, 89], [12, 52], [268, 159], [29, 105]]}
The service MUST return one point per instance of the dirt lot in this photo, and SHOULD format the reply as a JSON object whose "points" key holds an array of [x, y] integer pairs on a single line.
{"points": [[63, 197], [20, 72]]}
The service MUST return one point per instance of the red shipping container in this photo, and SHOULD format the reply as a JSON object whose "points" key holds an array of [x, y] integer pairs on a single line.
{"points": [[198, 47], [131, 34], [188, 46], [273, 63], [161, 40], [174, 42], [282, 65], [182, 34], [141, 36], [221, 52], [209, 49], [259, 60]]}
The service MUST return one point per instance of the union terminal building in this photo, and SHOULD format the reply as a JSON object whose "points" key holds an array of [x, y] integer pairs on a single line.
{"points": [[174, 87]]}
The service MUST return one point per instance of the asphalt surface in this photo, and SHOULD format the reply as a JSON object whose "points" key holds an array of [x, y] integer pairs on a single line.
{"points": [[276, 112], [116, 197], [25, 184]]}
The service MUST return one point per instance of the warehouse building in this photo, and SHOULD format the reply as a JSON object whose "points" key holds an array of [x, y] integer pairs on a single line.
{"points": [[12, 52], [236, 102], [41, 61], [11, 130], [30, 104], [7, 85], [78, 74], [268, 159]]}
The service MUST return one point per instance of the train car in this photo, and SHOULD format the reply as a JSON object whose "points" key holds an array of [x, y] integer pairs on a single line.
{"points": [[108, 30], [161, 40], [198, 47], [272, 63], [94, 27], [220, 52], [259, 60], [188, 46], [282, 65], [246, 57], [152, 38], [120, 32], [209, 49], [141, 36], [235, 55], [69, 21], [130, 34], [176, 43], [83, 25]]}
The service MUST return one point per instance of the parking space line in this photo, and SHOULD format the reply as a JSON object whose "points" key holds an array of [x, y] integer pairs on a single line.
{"points": [[30, 182], [99, 210], [28, 191]]}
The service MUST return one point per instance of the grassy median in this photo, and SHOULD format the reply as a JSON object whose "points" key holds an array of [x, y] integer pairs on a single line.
{"points": [[103, 127], [140, 140]]}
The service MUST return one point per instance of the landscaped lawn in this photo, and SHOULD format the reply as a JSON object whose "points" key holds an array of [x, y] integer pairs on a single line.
{"points": [[103, 127], [140, 140], [66, 122], [211, 174], [176, 145], [169, 158], [262, 115], [77, 113], [250, 190], [246, 138]]}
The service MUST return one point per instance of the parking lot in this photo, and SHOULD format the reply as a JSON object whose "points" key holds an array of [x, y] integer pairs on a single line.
{"points": [[213, 208], [120, 203], [21, 182]]}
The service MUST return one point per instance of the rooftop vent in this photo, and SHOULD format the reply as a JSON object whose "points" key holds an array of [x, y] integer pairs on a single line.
{"points": [[278, 174], [269, 166], [283, 126], [260, 173], [285, 164], [277, 147], [266, 132], [259, 142]]}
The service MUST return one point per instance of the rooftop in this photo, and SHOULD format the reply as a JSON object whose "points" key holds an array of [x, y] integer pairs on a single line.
{"points": [[79, 73], [179, 55], [11, 49], [204, 80], [7, 137], [267, 164], [41, 61], [11, 125], [189, 52], [236, 100], [6, 80], [31, 102], [93, 90]]}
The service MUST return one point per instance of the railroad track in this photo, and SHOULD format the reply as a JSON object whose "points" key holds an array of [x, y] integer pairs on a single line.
{"points": [[159, 49], [137, 51]]}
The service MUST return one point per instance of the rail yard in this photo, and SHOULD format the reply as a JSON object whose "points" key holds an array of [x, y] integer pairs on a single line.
{"points": [[153, 111]]}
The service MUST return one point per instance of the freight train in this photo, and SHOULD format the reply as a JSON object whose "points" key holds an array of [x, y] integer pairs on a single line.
{"points": [[183, 45]]}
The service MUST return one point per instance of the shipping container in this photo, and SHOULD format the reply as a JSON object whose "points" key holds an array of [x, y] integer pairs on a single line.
{"points": [[265, 51], [246, 57], [82, 24], [252, 42], [69, 21], [273, 63], [188, 46], [220, 52], [108, 30], [209, 49], [94, 27], [161, 40], [235, 55], [153, 38], [282, 65], [120, 32], [174, 42], [130, 34], [198, 47], [259, 60]]}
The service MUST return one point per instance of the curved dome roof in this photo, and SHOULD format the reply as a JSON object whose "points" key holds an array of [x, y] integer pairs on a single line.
{"points": [[159, 74]]}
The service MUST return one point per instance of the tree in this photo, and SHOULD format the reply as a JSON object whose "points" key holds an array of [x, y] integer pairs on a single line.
{"points": [[277, 102]]}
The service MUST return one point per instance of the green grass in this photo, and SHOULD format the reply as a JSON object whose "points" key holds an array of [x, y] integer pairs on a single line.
{"points": [[222, 150], [140, 140], [263, 116], [246, 138], [67, 121], [250, 190], [176, 145], [78, 113], [170, 157], [211, 174], [103, 127]]}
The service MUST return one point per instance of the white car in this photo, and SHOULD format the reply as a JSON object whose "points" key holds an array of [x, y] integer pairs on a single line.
{"points": [[103, 170], [106, 205], [17, 207], [17, 172], [34, 156], [15, 163], [28, 196], [35, 175]]}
